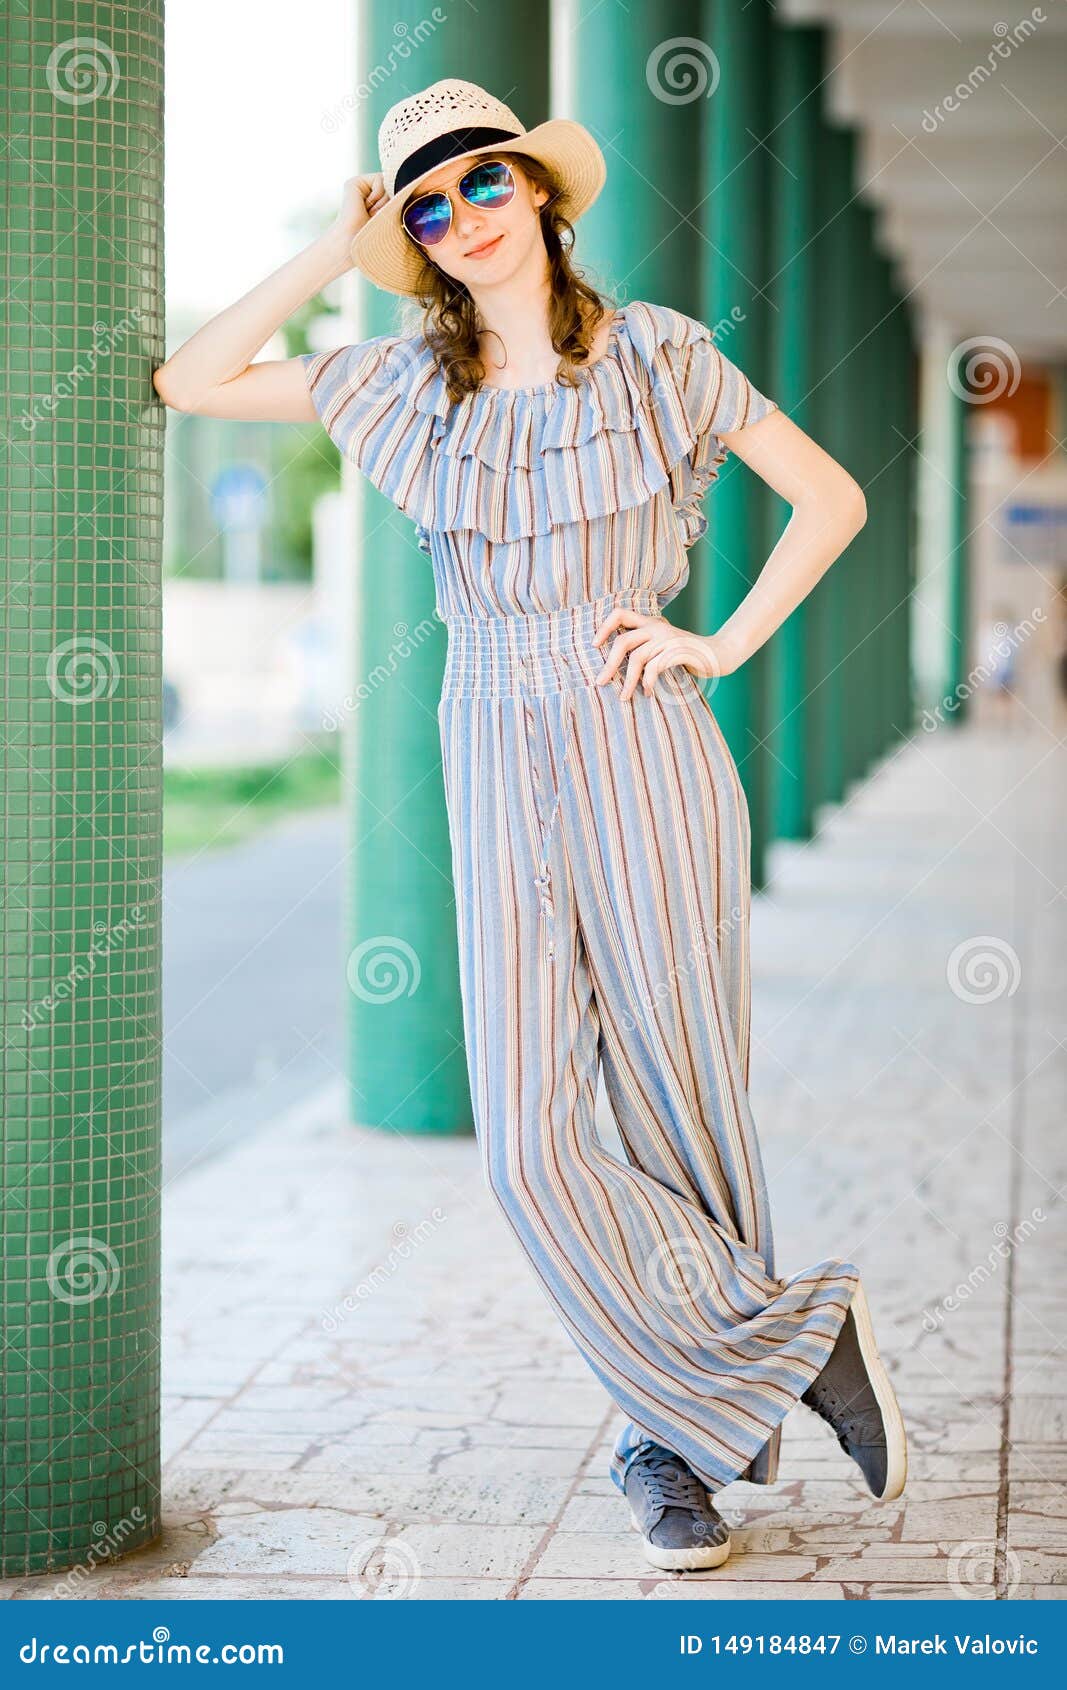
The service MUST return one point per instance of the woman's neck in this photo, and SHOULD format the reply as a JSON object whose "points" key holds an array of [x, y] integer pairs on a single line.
{"points": [[515, 344]]}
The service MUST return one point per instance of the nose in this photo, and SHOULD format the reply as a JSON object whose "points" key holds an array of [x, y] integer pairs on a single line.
{"points": [[468, 221]]}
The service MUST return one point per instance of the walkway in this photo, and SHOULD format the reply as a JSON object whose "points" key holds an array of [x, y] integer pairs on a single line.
{"points": [[367, 1391]]}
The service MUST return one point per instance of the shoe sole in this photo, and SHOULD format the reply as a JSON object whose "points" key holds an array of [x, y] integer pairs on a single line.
{"points": [[896, 1440], [682, 1560]]}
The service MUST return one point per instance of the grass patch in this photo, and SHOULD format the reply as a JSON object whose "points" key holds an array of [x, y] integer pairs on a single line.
{"points": [[209, 809]]}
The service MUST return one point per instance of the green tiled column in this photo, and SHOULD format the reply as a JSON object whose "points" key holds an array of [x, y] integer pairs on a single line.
{"points": [[643, 80], [407, 1065], [81, 508], [796, 72], [736, 268]]}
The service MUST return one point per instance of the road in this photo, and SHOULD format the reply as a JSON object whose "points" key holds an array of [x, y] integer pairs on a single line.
{"points": [[252, 983]]}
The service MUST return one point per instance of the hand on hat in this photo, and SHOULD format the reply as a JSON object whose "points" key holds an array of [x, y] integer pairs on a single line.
{"points": [[361, 198]]}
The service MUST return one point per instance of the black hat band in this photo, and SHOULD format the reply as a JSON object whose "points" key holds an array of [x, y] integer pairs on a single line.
{"points": [[452, 145]]}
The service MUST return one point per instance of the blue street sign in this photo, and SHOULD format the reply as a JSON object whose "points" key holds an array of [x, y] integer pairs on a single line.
{"points": [[239, 497]]}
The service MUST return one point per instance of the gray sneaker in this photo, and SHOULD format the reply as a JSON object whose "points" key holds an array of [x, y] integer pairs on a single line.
{"points": [[672, 1510], [854, 1395]]}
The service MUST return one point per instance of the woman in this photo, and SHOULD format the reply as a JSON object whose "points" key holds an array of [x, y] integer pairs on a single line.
{"points": [[553, 455]]}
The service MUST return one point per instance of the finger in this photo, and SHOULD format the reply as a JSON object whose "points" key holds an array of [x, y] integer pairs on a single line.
{"points": [[624, 644], [621, 616], [654, 669], [634, 671], [639, 655]]}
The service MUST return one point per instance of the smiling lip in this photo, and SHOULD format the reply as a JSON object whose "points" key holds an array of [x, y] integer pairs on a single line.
{"points": [[486, 246]]}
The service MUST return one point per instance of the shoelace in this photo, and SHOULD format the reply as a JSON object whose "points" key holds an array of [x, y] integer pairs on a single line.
{"points": [[834, 1411], [670, 1484]]}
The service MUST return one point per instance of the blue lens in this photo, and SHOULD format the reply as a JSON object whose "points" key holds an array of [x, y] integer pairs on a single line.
{"points": [[488, 184], [426, 220]]}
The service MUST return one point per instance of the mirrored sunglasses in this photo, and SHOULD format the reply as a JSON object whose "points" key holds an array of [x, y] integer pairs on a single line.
{"points": [[489, 184]]}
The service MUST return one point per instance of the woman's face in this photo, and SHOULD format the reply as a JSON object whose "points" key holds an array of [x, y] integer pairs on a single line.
{"points": [[485, 246]]}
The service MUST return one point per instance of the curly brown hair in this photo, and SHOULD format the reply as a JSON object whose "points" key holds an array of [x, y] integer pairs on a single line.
{"points": [[450, 317]]}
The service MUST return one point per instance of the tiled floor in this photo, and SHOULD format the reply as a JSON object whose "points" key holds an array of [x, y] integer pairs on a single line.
{"points": [[367, 1393]]}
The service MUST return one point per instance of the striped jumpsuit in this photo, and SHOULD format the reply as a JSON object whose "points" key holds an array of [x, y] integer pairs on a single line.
{"points": [[600, 855]]}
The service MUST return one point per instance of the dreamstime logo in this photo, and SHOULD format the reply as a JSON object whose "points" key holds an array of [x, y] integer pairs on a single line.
{"points": [[681, 70], [82, 1269], [383, 968], [109, 937], [677, 1271], [973, 1566], [384, 1568], [82, 670], [983, 368], [696, 953], [106, 338], [109, 1541], [406, 641], [408, 39], [1006, 640], [726, 325], [1008, 1239], [691, 654], [81, 70], [408, 1240], [1008, 37], [983, 969]]}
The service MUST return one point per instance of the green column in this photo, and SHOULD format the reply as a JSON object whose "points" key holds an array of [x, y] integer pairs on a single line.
{"points": [[643, 79], [901, 375], [865, 561], [735, 271], [835, 397], [957, 473], [81, 508], [796, 71], [884, 526], [407, 1063], [909, 512], [849, 384]]}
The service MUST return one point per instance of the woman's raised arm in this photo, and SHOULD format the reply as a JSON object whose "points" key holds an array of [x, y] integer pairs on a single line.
{"points": [[213, 373]]}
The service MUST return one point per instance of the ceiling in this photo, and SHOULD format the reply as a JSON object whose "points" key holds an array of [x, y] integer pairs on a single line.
{"points": [[962, 109]]}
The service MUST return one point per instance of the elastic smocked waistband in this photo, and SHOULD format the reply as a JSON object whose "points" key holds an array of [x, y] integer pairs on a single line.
{"points": [[497, 656]]}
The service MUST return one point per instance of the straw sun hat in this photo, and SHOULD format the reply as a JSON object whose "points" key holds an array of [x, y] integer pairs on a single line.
{"points": [[454, 119]]}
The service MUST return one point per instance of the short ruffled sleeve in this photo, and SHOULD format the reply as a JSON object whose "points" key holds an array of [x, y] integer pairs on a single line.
{"points": [[370, 400], [718, 398]]}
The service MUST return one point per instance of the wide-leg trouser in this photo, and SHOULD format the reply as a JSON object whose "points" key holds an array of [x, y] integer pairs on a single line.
{"points": [[600, 854]]}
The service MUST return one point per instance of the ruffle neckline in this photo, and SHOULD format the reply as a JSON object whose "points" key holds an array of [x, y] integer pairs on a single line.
{"points": [[514, 462]]}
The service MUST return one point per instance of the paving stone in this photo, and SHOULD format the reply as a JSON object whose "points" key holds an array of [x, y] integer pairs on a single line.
{"points": [[462, 1551], [883, 1592], [685, 1587], [865, 1566], [294, 1540], [604, 1555], [1038, 1463], [1034, 1566], [1038, 1420], [1038, 1516]]}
